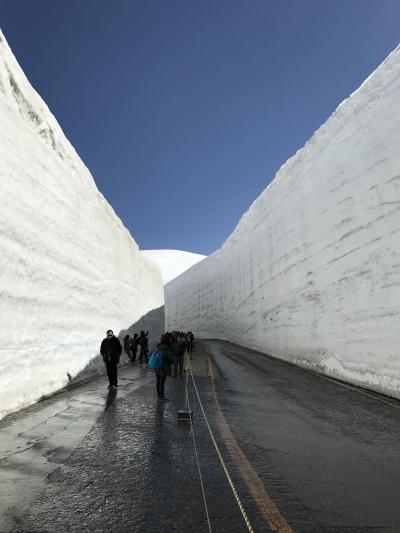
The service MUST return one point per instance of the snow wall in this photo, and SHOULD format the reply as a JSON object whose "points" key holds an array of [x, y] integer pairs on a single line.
{"points": [[311, 274], [69, 268]]}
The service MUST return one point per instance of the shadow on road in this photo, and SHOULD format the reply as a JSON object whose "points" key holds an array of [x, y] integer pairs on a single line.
{"points": [[153, 322]]}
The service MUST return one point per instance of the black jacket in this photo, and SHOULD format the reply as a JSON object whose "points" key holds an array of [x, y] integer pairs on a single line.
{"points": [[127, 344], [111, 350], [178, 348]]}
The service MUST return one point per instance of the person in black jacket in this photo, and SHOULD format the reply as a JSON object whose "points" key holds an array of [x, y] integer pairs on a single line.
{"points": [[178, 351], [144, 347], [134, 346], [111, 350], [127, 346]]}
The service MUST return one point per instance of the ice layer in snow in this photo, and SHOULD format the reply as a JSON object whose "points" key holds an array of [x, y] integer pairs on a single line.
{"points": [[311, 274], [69, 268], [172, 262]]}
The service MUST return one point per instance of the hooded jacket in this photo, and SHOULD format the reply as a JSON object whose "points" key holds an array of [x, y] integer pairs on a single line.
{"points": [[167, 358]]}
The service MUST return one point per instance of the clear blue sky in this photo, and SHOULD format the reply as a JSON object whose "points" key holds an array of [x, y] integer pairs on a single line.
{"points": [[184, 110]]}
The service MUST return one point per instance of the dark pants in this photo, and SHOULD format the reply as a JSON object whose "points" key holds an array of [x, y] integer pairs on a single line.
{"points": [[160, 385], [178, 365], [134, 353], [143, 354], [112, 373]]}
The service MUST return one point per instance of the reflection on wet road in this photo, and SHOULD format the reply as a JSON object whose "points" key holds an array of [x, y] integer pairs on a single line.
{"points": [[304, 454], [35, 441]]}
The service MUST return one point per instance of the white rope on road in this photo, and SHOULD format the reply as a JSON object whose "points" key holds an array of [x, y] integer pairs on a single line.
{"points": [[197, 456], [235, 492]]}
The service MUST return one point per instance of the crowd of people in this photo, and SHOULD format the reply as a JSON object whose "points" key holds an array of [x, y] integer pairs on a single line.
{"points": [[170, 352], [131, 345]]}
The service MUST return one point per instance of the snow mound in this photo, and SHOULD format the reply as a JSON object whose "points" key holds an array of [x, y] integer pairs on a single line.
{"points": [[173, 262]]}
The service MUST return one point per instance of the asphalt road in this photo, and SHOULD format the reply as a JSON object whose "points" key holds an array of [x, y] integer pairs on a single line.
{"points": [[297, 452], [91, 460], [326, 453]]}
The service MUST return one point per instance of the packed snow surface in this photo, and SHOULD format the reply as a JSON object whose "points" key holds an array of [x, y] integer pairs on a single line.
{"points": [[69, 268], [311, 274], [172, 262]]}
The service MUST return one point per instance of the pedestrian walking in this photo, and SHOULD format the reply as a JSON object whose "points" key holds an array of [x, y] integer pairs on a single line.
{"points": [[127, 346], [144, 346], [189, 342], [134, 346], [111, 350], [161, 361], [178, 351]]}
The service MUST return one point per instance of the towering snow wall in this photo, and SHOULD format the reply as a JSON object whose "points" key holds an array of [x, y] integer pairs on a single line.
{"points": [[311, 273], [69, 268]]}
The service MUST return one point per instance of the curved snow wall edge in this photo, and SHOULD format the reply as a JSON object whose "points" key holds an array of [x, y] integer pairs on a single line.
{"points": [[311, 273], [69, 268]]}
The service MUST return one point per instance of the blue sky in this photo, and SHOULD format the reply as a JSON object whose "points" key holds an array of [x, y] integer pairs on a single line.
{"points": [[185, 110]]}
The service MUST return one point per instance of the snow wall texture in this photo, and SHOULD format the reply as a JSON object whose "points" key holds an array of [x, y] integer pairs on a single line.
{"points": [[69, 268], [311, 274]]}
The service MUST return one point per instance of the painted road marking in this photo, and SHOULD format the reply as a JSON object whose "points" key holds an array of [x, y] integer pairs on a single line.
{"points": [[267, 507]]}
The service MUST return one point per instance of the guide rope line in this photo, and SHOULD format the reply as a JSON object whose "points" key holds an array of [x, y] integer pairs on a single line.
{"points": [[197, 457], [235, 493]]}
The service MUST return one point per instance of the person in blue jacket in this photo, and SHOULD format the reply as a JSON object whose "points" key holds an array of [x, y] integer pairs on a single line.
{"points": [[161, 375]]}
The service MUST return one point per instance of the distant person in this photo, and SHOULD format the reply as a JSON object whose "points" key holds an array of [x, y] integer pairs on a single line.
{"points": [[161, 374], [134, 346], [127, 346], [111, 350], [189, 342], [144, 346], [178, 351]]}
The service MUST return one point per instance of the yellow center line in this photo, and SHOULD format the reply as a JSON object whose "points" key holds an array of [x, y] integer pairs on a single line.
{"points": [[267, 507]]}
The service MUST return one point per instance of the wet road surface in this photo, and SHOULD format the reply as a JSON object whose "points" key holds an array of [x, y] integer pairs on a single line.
{"points": [[327, 453], [34, 442], [132, 468], [303, 453]]}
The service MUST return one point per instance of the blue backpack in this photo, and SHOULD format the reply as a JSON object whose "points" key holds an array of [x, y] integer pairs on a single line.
{"points": [[156, 361]]}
